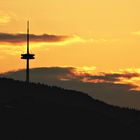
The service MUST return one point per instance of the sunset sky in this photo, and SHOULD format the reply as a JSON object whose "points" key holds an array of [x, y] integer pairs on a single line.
{"points": [[97, 35]]}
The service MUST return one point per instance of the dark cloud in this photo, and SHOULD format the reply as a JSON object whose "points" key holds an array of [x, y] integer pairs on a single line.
{"points": [[112, 77], [20, 38], [107, 91]]}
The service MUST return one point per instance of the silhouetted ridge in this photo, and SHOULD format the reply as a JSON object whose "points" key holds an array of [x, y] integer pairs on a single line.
{"points": [[38, 111]]}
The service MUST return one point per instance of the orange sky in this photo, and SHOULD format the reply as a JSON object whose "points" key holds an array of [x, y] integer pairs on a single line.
{"points": [[106, 33]]}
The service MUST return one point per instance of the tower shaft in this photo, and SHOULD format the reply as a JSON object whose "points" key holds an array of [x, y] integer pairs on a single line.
{"points": [[28, 37], [27, 61], [27, 71]]}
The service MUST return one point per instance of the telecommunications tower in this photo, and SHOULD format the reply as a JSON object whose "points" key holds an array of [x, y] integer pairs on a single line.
{"points": [[28, 56]]}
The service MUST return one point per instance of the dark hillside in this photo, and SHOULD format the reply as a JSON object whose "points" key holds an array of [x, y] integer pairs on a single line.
{"points": [[37, 111]]}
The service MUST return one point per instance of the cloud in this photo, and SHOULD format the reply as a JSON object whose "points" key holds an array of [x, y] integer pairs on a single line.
{"points": [[112, 78], [87, 74], [76, 73], [14, 44], [108, 87], [136, 33], [44, 38], [104, 40], [84, 74], [4, 19]]}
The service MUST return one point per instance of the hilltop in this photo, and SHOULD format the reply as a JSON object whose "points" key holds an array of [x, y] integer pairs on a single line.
{"points": [[37, 111]]}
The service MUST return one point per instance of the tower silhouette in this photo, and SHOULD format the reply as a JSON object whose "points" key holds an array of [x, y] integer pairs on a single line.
{"points": [[28, 56]]}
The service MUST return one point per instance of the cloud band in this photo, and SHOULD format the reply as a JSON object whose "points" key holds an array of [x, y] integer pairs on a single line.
{"points": [[21, 38]]}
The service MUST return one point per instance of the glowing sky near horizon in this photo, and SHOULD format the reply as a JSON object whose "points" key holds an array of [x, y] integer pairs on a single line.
{"points": [[106, 33]]}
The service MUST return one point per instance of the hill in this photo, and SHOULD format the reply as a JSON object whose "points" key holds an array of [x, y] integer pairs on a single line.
{"points": [[104, 87], [36, 111]]}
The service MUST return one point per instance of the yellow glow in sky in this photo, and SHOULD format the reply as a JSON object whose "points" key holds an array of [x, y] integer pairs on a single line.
{"points": [[107, 33]]}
